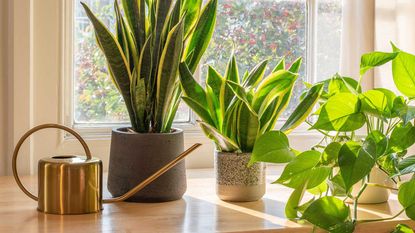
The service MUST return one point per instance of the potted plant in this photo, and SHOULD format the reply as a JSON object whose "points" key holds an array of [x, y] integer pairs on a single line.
{"points": [[234, 112], [343, 168], [150, 40]]}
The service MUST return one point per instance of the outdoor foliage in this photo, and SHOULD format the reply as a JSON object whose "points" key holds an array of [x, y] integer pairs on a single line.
{"points": [[151, 38], [331, 168]]}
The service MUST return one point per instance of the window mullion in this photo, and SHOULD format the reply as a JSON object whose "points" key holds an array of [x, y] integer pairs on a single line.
{"points": [[311, 53]]}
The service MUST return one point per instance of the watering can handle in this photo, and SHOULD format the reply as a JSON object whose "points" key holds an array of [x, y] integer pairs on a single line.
{"points": [[30, 132]]}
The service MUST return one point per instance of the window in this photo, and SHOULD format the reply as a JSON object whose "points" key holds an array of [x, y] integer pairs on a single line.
{"points": [[256, 29]]}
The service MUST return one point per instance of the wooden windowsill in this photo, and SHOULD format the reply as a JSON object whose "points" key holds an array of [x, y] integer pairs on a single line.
{"points": [[199, 211]]}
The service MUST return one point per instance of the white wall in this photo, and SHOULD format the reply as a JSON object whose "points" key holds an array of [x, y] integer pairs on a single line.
{"points": [[3, 84]]}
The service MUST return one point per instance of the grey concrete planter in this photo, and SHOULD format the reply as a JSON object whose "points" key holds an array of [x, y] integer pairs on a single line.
{"points": [[235, 181], [135, 156]]}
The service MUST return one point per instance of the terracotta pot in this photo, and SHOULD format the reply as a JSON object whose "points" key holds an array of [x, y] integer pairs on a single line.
{"points": [[136, 156], [235, 181]]}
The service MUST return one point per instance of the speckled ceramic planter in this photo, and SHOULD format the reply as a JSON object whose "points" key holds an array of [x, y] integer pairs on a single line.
{"points": [[136, 156], [235, 181]]}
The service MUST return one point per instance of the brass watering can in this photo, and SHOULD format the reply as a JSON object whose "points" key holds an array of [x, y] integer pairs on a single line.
{"points": [[70, 184]]}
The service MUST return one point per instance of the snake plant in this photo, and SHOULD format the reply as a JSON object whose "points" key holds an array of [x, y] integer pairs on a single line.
{"points": [[235, 111], [150, 40]]}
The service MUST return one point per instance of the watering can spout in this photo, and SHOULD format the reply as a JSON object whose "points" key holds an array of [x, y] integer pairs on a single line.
{"points": [[72, 184]]}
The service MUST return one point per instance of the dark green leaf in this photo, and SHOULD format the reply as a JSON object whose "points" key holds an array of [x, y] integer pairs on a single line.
{"points": [[190, 86], [355, 163], [272, 147], [200, 110], [200, 38], [296, 65], [326, 212], [406, 196], [337, 186], [247, 128], [380, 141], [280, 65], [402, 137], [167, 74]]}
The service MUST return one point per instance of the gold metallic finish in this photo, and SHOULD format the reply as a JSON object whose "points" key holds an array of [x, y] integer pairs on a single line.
{"points": [[70, 184]]}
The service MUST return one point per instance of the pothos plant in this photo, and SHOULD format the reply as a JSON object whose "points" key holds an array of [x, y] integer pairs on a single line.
{"points": [[234, 111], [330, 170], [150, 39]]}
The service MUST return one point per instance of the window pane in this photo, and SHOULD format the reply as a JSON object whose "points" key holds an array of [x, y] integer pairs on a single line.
{"points": [[259, 29], [328, 38], [96, 99]]}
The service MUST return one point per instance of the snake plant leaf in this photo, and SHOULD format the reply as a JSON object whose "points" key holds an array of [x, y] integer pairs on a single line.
{"points": [[327, 212], [406, 196], [190, 86], [373, 59], [223, 143], [200, 110], [269, 118], [276, 84], [247, 127], [296, 65], [402, 137], [403, 72], [191, 10], [340, 113], [202, 33], [280, 65], [144, 63], [215, 81], [167, 73], [135, 14], [231, 73], [214, 107], [161, 13], [255, 75], [355, 163], [174, 104], [303, 109], [272, 147], [239, 92], [291, 208], [403, 110], [378, 102], [116, 60], [229, 126], [121, 33], [138, 92]]}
